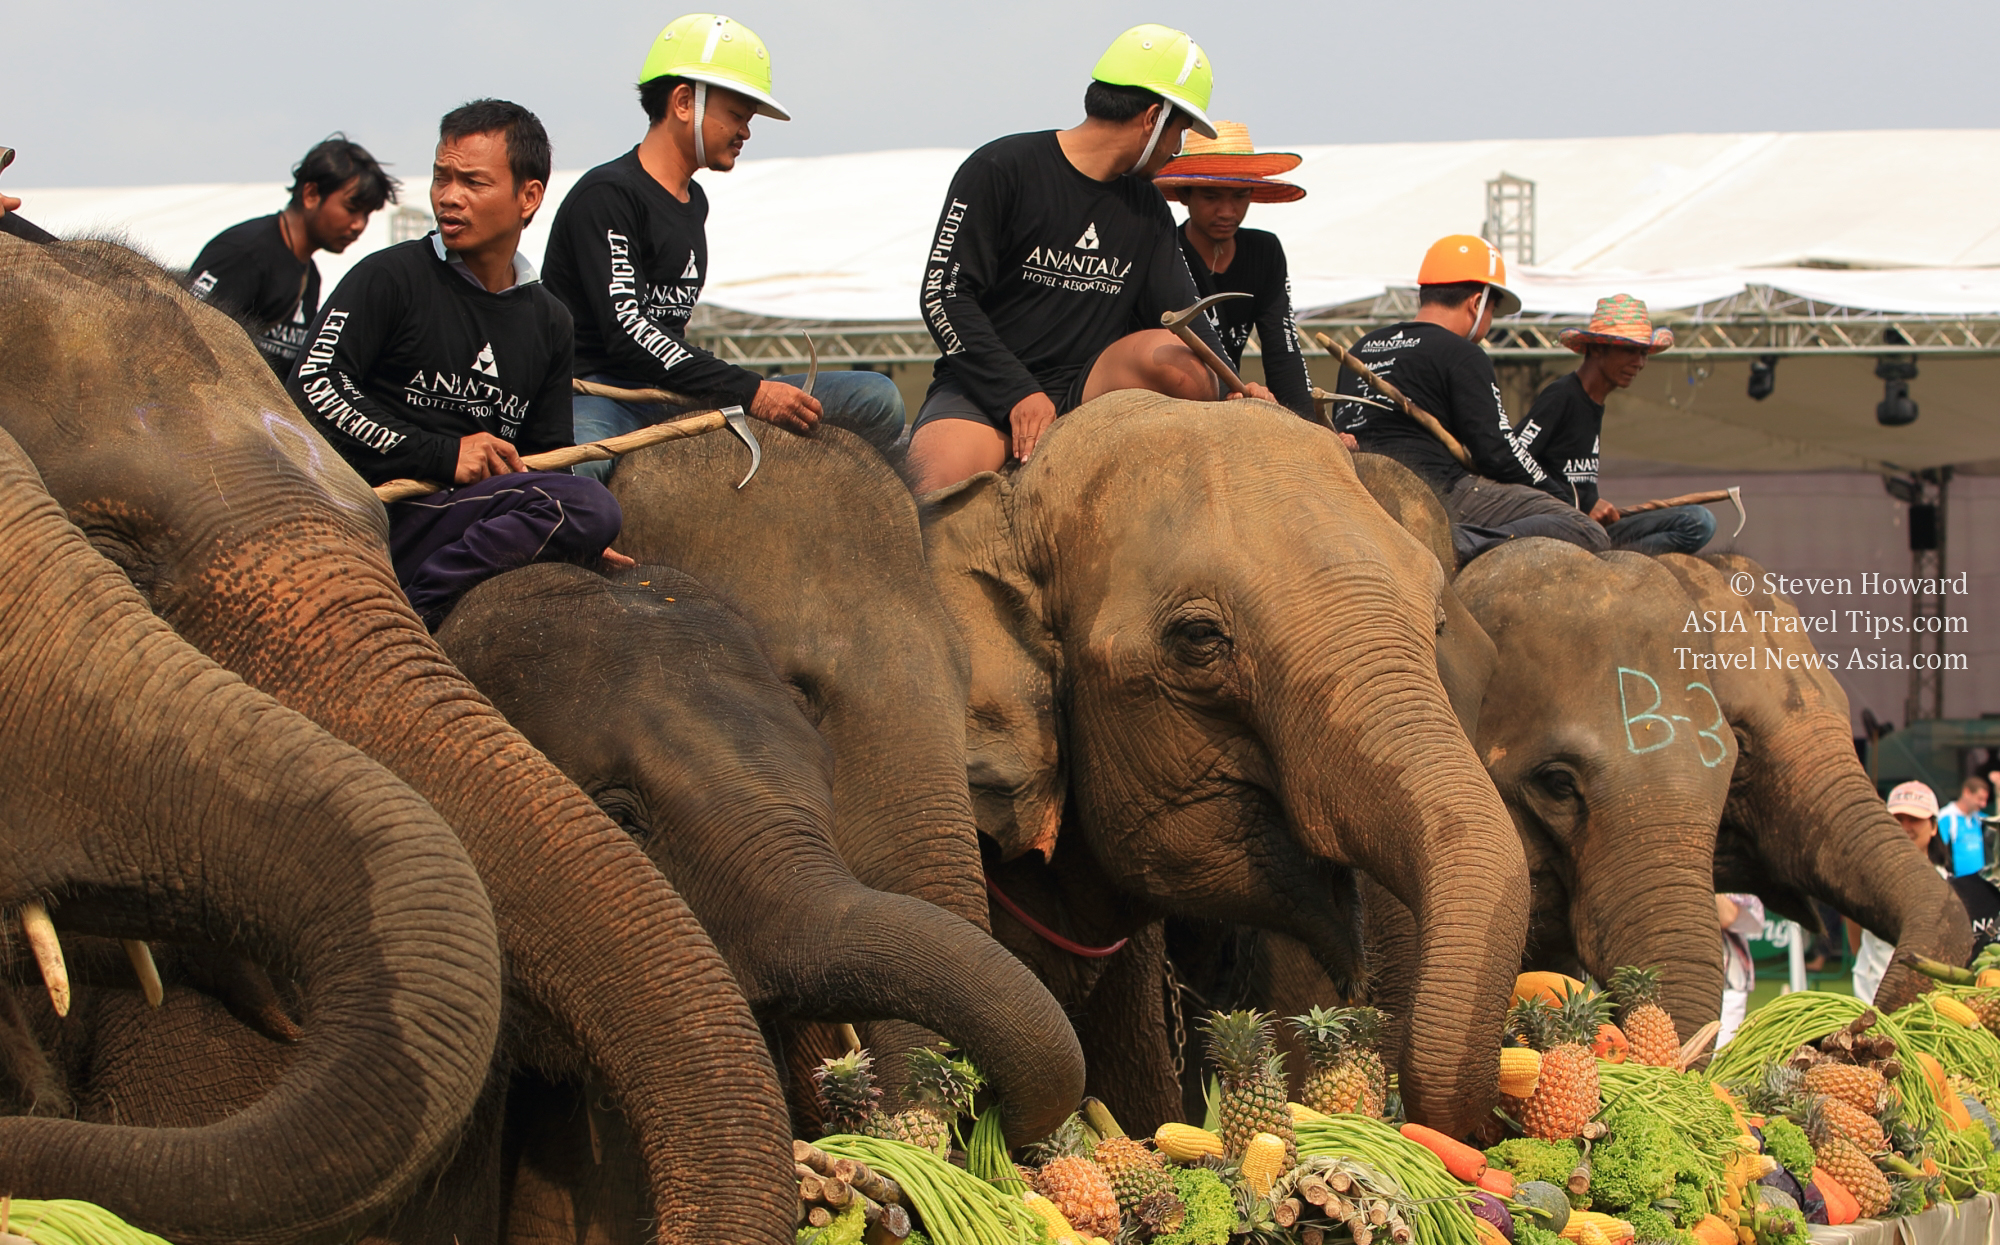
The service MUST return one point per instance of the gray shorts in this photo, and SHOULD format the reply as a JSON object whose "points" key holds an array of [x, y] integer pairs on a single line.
{"points": [[949, 400]]}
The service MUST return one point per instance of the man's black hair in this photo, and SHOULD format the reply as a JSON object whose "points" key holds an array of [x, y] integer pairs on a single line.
{"points": [[528, 156], [1117, 103], [1448, 294], [332, 163], [656, 94]]}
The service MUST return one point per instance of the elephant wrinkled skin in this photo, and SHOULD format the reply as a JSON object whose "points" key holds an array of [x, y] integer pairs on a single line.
{"points": [[155, 796], [1196, 630], [161, 432]]}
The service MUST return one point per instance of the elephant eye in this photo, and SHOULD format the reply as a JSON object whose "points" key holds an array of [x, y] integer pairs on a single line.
{"points": [[1558, 781], [1198, 640]]}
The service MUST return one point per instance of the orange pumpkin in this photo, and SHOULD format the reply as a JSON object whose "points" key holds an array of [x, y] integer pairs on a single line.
{"points": [[1550, 988], [1611, 1045]]}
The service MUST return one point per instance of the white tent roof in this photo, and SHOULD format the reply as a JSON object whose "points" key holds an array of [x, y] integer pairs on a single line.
{"points": [[1677, 219]]}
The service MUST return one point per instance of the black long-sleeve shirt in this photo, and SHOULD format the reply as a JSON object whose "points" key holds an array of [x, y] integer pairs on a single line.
{"points": [[1257, 269], [629, 261], [410, 355], [1452, 379], [250, 272], [1562, 431], [1035, 268]]}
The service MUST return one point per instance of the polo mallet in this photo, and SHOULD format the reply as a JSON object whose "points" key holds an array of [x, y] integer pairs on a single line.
{"points": [[1418, 413], [730, 417], [1733, 495], [1177, 322]]}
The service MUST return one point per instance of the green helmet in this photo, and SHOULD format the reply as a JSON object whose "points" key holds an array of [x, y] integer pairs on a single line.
{"points": [[1166, 62], [703, 47]]}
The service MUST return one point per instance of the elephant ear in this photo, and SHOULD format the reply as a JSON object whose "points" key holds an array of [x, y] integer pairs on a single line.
{"points": [[1013, 728]]}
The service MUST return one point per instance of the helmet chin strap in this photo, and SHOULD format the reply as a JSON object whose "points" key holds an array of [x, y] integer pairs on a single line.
{"points": [[1479, 312], [700, 112], [1159, 128]]}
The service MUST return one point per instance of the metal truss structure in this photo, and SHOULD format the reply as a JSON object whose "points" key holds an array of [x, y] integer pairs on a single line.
{"points": [[1760, 320]]}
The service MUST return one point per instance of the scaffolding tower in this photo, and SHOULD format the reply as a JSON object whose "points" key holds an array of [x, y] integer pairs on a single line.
{"points": [[1510, 217]]}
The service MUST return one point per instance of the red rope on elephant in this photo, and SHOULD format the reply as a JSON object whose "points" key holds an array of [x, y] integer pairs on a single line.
{"points": [[1048, 935]]}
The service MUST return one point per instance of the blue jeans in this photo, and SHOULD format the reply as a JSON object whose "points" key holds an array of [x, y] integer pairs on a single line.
{"points": [[1677, 529], [867, 404], [445, 544]]}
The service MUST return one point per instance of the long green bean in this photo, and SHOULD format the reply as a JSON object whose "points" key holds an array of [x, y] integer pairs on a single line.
{"points": [[1441, 1217], [957, 1208], [63, 1221]]}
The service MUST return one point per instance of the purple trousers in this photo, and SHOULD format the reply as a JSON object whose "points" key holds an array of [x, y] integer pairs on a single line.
{"points": [[444, 544]]}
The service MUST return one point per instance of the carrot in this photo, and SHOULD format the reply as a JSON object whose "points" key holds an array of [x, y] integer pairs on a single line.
{"points": [[1497, 1182], [1711, 1230], [1459, 1159], [1840, 1204]]}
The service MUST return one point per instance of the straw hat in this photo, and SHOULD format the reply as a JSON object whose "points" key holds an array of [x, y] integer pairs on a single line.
{"points": [[1229, 161], [1619, 320]]}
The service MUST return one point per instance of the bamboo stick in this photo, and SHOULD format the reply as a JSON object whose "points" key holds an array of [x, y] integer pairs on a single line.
{"points": [[571, 455]]}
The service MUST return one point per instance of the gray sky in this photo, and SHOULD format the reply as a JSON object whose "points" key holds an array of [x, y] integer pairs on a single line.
{"points": [[125, 92]]}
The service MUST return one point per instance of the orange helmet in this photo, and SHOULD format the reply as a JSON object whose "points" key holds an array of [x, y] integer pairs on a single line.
{"points": [[1464, 257]]}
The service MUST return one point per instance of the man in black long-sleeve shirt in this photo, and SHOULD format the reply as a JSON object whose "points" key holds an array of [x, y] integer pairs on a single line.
{"points": [[1435, 361], [1217, 180], [1053, 256], [262, 271], [444, 359], [628, 253]]}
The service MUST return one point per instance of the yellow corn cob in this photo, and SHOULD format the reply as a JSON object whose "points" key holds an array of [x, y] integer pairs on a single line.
{"points": [[1303, 1114], [1951, 1009], [1184, 1143], [1059, 1230], [1609, 1228], [1520, 1071], [1263, 1162]]}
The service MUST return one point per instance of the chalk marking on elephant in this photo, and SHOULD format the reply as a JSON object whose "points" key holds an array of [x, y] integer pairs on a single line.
{"points": [[311, 443], [1651, 714]]}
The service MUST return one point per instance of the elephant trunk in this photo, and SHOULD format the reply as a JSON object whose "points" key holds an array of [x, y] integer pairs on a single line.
{"points": [[597, 941], [863, 954], [1836, 841], [215, 815], [1404, 799], [1652, 904]]}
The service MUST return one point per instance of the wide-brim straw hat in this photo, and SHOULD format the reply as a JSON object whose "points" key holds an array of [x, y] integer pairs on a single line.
{"points": [[1620, 320], [1232, 161]]}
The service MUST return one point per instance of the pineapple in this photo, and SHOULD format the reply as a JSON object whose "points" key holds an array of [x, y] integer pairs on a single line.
{"points": [[1346, 1072], [1253, 1079], [1078, 1187], [1854, 1124], [848, 1099], [940, 1090], [1566, 1093], [1142, 1184], [1845, 1162], [1648, 1028], [1860, 1087]]}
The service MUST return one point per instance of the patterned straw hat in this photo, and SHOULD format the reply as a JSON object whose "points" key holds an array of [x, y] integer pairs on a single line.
{"points": [[1619, 320], [1230, 161]]}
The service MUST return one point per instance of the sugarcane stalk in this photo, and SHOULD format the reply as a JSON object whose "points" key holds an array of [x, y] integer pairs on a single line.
{"points": [[835, 1192], [1313, 1189], [893, 1224], [810, 1185], [818, 1217], [1312, 1236], [812, 1156], [1399, 1230], [874, 1184], [1378, 1212], [1286, 1213]]}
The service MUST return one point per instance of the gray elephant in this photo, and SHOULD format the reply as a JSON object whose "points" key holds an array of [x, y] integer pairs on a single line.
{"points": [[152, 795], [658, 700], [1204, 681], [162, 434], [1804, 821], [822, 554]]}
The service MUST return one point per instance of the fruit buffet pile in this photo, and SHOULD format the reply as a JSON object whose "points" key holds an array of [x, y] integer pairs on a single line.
{"points": [[1819, 1111]]}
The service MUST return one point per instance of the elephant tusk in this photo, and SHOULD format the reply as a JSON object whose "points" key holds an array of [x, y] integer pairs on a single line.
{"points": [[41, 934], [148, 972]]}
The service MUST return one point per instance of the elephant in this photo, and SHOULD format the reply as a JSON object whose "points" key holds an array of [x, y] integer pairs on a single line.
{"points": [[822, 554], [154, 795], [165, 438], [1204, 682], [1804, 820], [658, 700]]}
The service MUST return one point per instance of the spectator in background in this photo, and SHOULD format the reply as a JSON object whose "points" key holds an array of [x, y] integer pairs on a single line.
{"points": [[262, 271], [1962, 828], [1914, 806], [1742, 918]]}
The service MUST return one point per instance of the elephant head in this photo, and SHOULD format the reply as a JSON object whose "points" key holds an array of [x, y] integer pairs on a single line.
{"points": [[1804, 820], [152, 795], [1612, 752], [822, 554], [161, 432], [657, 699], [1195, 631]]}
